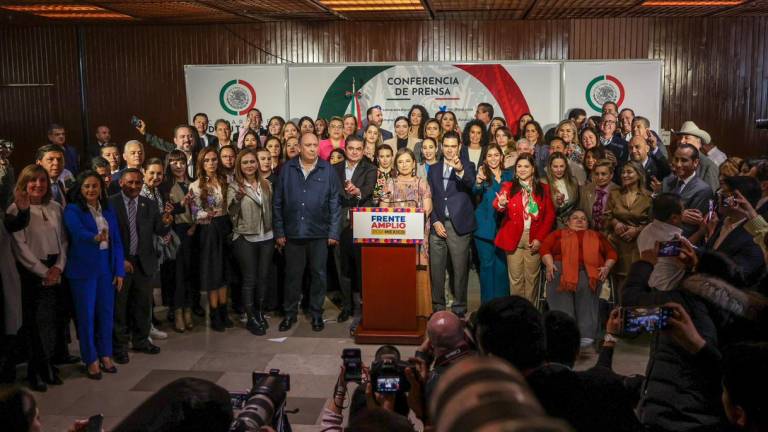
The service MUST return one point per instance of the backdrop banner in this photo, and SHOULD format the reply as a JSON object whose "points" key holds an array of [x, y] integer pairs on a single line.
{"points": [[512, 88], [545, 89], [229, 91], [632, 84]]}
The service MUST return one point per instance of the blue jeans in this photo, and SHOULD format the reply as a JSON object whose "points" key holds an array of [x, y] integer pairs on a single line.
{"points": [[494, 281], [297, 253]]}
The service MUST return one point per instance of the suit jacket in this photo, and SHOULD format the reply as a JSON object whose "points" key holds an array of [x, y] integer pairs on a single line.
{"points": [[364, 177], [457, 197], [83, 252], [148, 224], [618, 146], [656, 166], [740, 246], [708, 171], [587, 196], [695, 195], [212, 141], [166, 146]]}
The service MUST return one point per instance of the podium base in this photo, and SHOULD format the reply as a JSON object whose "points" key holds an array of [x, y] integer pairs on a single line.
{"points": [[392, 337]]}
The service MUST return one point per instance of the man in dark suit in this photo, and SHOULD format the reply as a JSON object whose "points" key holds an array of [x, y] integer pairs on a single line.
{"points": [[655, 165], [453, 221], [375, 116], [254, 120], [612, 141], [139, 221], [357, 178], [729, 236], [694, 191], [204, 139], [103, 138]]}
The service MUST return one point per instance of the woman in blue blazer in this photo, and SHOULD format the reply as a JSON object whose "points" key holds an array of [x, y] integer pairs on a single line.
{"points": [[494, 281], [95, 270]]}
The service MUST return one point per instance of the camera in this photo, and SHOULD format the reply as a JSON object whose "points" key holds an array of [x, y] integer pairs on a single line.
{"points": [[6, 147], [264, 405], [638, 320], [670, 248], [761, 123], [135, 121], [388, 375]]}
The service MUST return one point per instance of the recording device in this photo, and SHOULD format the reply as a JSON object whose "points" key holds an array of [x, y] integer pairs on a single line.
{"points": [[761, 123], [353, 364], [238, 399], [264, 404], [726, 201], [94, 423], [638, 320], [670, 248], [135, 121], [388, 376]]}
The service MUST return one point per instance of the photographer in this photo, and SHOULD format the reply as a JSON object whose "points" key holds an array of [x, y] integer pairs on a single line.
{"points": [[445, 345], [682, 389], [369, 396]]}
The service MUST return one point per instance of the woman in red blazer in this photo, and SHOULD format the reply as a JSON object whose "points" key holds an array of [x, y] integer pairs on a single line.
{"points": [[528, 217]]}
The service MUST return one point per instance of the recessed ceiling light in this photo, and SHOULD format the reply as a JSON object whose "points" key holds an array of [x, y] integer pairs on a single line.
{"points": [[682, 3], [373, 5], [67, 11]]}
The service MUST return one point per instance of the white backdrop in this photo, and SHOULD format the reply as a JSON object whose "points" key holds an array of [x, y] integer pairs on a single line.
{"points": [[548, 89], [211, 90], [636, 83]]}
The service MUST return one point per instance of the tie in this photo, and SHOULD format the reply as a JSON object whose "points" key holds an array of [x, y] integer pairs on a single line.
{"points": [[446, 177], [58, 193], [134, 241], [597, 210], [680, 187]]}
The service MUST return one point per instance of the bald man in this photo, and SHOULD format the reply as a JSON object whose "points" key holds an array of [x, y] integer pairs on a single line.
{"points": [[446, 343], [656, 165]]}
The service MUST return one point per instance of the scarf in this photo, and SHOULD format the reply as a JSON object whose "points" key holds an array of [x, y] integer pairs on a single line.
{"points": [[569, 244], [530, 207]]}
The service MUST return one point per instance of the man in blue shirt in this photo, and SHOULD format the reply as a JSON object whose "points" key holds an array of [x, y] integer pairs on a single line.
{"points": [[307, 213]]}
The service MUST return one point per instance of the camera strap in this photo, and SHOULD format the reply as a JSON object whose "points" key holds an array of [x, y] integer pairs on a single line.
{"points": [[462, 351]]}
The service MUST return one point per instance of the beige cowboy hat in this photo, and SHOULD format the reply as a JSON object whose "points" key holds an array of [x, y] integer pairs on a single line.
{"points": [[690, 128]]}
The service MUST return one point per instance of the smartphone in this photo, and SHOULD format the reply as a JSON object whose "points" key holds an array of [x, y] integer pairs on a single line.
{"points": [[238, 399], [389, 384], [135, 121], [95, 423], [670, 248], [353, 364], [638, 320], [726, 201]]}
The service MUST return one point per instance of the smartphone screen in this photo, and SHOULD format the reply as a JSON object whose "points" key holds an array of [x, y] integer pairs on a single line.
{"points": [[670, 248], [387, 384], [639, 320], [353, 364]]}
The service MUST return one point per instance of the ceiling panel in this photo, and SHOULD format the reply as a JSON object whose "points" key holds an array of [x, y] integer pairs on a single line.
{"points": [[198, 11]]}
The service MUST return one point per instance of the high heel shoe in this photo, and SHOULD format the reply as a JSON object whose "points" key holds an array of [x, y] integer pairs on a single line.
{"points": [[188, 319], [105, 369], [179, 326]]}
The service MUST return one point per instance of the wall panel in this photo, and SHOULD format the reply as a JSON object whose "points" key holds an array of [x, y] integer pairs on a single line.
{"points": [[715, 70]]}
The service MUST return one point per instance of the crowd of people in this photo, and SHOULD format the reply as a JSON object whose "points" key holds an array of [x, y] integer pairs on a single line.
{"points": [[594, 211]]}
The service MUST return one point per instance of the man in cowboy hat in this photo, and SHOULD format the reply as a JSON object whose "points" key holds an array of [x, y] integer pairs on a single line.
{"points": [[691, 134]]}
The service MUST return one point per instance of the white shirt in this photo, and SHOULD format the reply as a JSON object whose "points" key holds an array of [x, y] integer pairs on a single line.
{"points": [[668, 271], [101, 224], [43, 236]]}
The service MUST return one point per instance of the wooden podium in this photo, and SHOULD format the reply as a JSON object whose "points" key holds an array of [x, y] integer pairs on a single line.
{"points": [[390, 278]]}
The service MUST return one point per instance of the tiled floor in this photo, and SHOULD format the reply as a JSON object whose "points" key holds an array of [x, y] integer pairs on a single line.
{"points": [[312, 359]]}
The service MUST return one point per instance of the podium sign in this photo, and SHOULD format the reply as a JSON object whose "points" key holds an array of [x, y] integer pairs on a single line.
{"points": [[389, 238], [388, 225]]}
